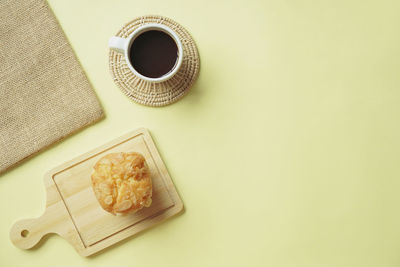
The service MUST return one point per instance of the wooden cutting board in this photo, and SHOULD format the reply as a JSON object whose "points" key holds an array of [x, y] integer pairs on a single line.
{"points": [[72, 210]]}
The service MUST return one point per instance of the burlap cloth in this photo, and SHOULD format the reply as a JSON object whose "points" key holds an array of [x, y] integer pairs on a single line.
{"points": [[44, 93], [156, 94]]}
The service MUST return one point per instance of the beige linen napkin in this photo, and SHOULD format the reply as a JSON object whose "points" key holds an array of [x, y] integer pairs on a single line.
{"points": [[44, 93]]}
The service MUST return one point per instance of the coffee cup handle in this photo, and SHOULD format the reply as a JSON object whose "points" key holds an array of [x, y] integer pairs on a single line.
{"points": [[117, 44]]}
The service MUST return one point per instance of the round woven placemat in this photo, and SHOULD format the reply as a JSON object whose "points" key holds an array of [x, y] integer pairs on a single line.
{"points": [[156, 94]]}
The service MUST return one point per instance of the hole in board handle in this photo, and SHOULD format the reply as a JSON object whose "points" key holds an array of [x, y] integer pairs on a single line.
{"points": [[24, 233]]}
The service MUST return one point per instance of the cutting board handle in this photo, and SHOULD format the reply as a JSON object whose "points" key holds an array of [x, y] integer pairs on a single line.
{"points": [[27, 233]]}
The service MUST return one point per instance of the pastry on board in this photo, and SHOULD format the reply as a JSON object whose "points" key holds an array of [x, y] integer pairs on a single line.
{"points": [[122, 182]]}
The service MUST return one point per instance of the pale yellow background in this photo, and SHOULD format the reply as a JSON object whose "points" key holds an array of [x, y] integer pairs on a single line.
{"points": [[285, 152]]}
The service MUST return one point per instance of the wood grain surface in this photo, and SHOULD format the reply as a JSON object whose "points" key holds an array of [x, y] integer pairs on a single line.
{"points": [[73, 212]]}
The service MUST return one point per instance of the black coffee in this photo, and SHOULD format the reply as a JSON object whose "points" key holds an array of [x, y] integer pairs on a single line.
{"points": [[153, 53]]}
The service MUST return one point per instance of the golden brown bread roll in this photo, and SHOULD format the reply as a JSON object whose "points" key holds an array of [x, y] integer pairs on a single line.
{"points": [[122, 182]]}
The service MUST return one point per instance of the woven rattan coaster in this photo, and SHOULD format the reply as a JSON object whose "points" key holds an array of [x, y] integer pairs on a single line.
{"points": [[156, 94]]}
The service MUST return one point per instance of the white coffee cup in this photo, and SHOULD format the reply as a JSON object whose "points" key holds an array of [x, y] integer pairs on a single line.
{"points": [[123, 45]]}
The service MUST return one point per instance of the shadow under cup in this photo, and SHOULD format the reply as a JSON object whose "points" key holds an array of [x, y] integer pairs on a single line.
{"points": [[153, 53]]}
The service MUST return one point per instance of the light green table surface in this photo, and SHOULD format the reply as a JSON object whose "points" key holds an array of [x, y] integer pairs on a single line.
{"points": [[286, 152]]}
